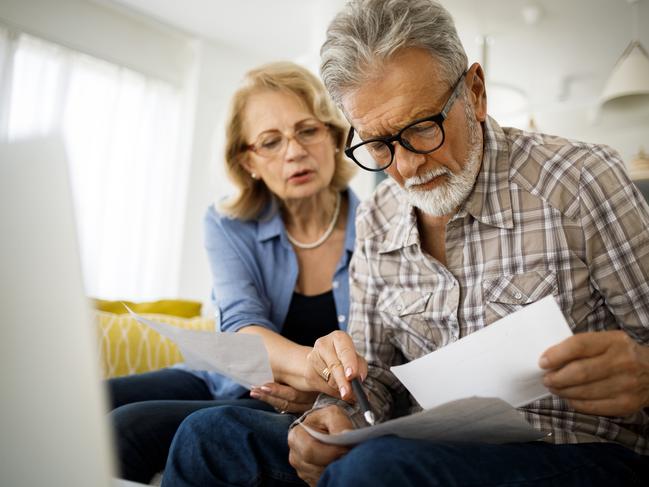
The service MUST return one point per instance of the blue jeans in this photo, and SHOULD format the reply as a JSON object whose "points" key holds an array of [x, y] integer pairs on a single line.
{"points": [[231, 446], [147, 409]]}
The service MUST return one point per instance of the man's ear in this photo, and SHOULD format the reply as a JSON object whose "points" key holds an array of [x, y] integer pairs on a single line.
{"points": [[477, 91]]}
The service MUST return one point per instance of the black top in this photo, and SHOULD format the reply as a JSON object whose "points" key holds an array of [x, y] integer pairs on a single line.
{"points": [[310, 317]]}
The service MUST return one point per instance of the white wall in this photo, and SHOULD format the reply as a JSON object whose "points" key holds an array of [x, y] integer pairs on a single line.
{"points": [[625, 132], [129, 40], [220, 69]]}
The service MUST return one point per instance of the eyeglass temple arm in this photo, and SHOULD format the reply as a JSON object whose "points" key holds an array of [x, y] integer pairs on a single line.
{"points": [[454, 95]]}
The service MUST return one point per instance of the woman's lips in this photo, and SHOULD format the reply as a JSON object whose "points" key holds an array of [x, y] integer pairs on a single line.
{"points": [[301, 177]]}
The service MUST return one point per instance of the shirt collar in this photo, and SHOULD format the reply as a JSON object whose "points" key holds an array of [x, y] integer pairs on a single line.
{"points": [[404, 232], [490, 200], [270, 223], [350, 232]]}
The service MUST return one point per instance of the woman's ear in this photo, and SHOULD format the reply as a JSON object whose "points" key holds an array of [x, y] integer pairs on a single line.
{"points": [[247, 164], [477, 91]]}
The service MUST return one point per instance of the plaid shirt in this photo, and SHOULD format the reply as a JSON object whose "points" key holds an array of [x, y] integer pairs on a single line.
{"points": [[546, 216]]}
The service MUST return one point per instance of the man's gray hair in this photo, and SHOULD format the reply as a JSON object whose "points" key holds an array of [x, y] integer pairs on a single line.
{"points": [[367, 32]]}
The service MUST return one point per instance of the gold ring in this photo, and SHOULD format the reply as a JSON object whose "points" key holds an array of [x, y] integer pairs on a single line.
{"points": [[325, 374]]}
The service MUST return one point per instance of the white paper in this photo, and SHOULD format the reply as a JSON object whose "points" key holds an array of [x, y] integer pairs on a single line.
{"points": [[501, 360], [239, 356], [476, 419]]}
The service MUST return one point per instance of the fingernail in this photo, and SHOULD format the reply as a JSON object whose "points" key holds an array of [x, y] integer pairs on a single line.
{"points": [[265, 388], [254, 394], [343, 391], [544, 362], [348, 372]]}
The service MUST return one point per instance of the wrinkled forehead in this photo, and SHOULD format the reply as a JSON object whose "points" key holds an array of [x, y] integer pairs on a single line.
{"points": [[408, 86]]}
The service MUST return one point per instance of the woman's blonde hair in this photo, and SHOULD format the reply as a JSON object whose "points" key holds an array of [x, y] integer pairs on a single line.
{"points": [[253, 195]]}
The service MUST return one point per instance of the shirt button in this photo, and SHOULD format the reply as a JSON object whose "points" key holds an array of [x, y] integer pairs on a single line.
{"points": [[398, 307], [518, 295], [335, 284], [341, 318]]}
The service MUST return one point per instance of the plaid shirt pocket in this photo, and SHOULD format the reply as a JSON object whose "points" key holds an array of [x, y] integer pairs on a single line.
{"points": [[413, 322], [506, 294]]}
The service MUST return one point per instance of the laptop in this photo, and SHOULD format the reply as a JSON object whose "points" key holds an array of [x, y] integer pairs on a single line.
{"points": [[54, 429]]}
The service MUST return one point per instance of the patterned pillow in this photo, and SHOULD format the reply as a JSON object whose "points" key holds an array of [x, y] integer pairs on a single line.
{"points": [[128, 347]]}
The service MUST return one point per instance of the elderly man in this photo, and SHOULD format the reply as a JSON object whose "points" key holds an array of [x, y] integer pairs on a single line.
{"points": [[475, 222]]}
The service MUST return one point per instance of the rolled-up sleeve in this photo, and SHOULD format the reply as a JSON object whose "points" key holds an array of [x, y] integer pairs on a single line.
{"points": [[237, 285]]}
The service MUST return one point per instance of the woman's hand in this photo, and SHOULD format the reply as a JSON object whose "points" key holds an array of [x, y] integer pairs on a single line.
{"points": [[283, 398], [333, 363]]}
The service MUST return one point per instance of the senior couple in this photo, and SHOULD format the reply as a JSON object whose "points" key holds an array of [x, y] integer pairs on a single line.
{"points": [[474, 222]]}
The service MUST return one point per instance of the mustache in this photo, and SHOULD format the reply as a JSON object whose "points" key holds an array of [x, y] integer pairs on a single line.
{"points": [[426, 177]]}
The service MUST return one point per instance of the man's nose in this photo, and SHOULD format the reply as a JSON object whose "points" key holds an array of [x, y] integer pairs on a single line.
{"points": [[407, 162]]}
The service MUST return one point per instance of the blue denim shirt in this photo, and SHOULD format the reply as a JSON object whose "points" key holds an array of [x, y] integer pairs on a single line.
{"points": [[254, 270]]}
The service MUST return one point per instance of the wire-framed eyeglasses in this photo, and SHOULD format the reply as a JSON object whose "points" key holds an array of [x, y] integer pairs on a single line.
{"points": [[421, 136], [273, 142]]}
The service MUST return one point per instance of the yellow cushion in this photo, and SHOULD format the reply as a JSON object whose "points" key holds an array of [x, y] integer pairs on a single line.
{"points": [[173, 307], [128, 347]]}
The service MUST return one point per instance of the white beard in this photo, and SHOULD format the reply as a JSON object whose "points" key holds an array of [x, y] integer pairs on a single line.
{"points": [[445, 198]]}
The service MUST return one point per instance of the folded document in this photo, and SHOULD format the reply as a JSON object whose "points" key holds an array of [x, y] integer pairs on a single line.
{"points": [[239, 356], [483, 419]]}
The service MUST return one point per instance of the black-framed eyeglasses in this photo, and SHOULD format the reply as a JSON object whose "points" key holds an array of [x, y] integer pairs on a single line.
{"points": [[422, 136]]}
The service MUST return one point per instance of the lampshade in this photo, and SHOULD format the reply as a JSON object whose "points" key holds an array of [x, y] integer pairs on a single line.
{"points": [[629, 81]]}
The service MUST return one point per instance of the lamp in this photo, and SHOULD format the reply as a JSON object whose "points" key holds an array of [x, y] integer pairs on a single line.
{"points": [[628, 84]]}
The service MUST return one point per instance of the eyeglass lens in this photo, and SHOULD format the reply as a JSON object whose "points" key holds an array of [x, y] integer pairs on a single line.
{"points": [[272, 142], [421, 137]]}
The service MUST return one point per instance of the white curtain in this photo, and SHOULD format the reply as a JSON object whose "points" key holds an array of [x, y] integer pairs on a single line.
{"points": [[122, 133]]}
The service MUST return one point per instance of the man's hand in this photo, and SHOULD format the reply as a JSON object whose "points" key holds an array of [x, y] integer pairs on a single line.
{"points": [[332, 364], [285, 399], [602, 373], [308, 456]]}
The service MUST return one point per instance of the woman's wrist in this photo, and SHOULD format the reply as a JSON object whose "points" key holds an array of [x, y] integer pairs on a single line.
{"points": [[293, 367]]}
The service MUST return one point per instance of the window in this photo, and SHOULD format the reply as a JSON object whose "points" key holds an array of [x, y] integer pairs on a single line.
{"points": [[122, 133]]}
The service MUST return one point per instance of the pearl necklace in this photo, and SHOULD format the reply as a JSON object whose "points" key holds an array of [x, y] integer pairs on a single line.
{"points": [[325, 235]]}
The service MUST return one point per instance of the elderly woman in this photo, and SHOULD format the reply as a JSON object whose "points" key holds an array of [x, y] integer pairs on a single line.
{"points": [[279, 253]]}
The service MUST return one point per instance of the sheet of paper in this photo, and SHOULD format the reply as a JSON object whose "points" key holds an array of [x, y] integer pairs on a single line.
{"points": [[501, 360], [479, 419], [238, 356]]}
